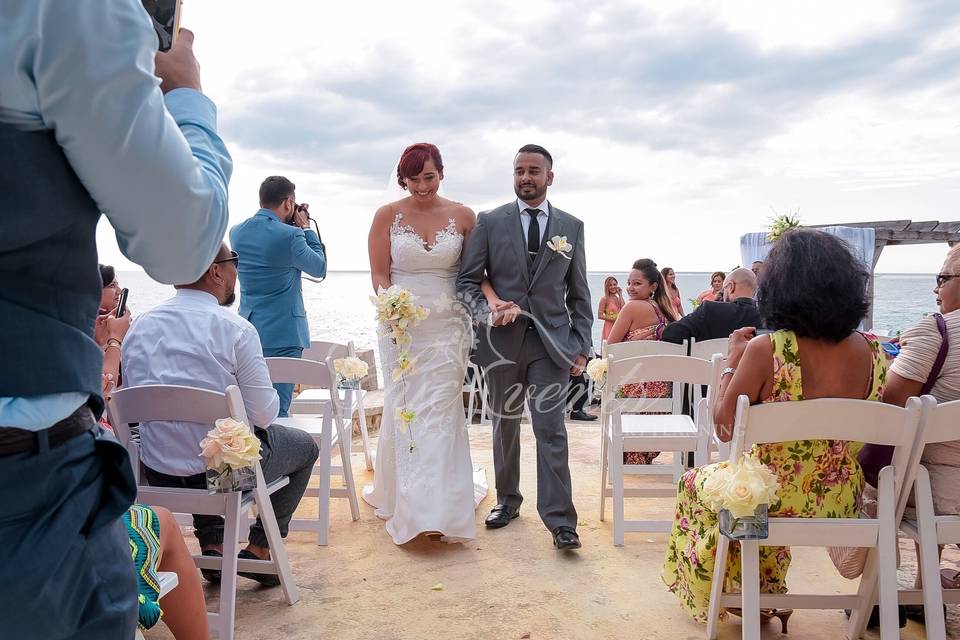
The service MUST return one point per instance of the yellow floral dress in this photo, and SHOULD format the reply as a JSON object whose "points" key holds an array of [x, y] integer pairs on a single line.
{"points": [[818, 479]]}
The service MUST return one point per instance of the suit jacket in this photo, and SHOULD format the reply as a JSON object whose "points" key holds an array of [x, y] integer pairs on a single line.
{"points": [[552, 290], [272, 256], [713, 320]]}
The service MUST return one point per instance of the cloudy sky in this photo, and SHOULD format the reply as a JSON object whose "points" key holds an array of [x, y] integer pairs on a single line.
{"points": [[675, 126]]}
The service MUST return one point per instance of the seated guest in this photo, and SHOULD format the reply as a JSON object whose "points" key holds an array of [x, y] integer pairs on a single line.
{"points": [[719, 319], [156, 544], [814, 352], [110, 297], [716, 286], [194, 340], [910, 374], [644, 317]]}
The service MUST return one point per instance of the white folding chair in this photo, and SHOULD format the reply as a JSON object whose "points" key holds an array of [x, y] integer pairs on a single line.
{"points": [[825, 419], [328, 429], [626, 430], [311, 399], [186, 404], [707, 348], [628, 350], [942, 424]]}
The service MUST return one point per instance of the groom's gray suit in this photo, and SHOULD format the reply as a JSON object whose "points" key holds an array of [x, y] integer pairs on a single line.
{"points": [[534, 354]]}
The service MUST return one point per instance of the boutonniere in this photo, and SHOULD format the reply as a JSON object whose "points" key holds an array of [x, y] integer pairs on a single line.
{"points": [[560, 245]]}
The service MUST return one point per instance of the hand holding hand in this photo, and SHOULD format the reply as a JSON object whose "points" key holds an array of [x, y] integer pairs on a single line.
{"points": [[178, 68], [504, 312]]}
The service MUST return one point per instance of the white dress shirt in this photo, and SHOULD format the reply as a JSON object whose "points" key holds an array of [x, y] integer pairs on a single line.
{"points": [[154, 164], [191, 340], [542, 217]]}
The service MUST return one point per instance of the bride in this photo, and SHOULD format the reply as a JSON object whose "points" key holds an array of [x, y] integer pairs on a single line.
{"points": [[415, 243]]}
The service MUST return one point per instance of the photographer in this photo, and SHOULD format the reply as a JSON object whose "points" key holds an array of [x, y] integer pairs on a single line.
{"points": [[275, 246], [85, 129]]}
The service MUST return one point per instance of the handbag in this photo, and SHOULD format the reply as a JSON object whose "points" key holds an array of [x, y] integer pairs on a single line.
{"points": [[874, 457]]}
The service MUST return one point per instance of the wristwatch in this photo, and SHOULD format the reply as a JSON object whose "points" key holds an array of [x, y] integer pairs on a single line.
{"points": [[730, 370]]}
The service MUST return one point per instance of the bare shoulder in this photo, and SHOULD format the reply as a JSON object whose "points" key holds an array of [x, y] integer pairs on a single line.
{"points": [[639, 310], [759, 349], [464, 216]]}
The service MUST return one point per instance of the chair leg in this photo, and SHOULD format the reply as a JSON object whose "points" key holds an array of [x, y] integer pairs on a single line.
{"points": [[750, 585], [323, 463], [226, 616], [604, 466], [929, 557], [346, 463], [616, 475], [278, 552], [364, 433], [887, 543], [716, 588]]}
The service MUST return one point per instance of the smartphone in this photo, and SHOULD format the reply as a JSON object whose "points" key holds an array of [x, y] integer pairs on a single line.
{"points": [[122, 306], [165, 15], [761, 332]]}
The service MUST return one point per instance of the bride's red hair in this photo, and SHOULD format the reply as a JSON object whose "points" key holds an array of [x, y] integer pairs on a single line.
{"points": [[414, 157]]}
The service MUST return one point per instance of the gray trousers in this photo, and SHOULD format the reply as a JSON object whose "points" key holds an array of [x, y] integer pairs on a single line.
{"points": [[284, 452], [537, 375]]}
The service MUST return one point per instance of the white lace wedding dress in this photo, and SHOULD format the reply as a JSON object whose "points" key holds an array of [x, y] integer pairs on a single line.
{"points": [[424, 480]]}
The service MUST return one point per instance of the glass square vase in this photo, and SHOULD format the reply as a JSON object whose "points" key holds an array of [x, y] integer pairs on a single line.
{"points": [[347, 383], [230, 480], [755, 527]]}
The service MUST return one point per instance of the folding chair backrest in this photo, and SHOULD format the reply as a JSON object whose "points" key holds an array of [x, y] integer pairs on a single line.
{"points": [[676, 369], [943, 421], [310, 373], [161, 402], [834, 419], [637, 348], [320, 351], [707, 348]]}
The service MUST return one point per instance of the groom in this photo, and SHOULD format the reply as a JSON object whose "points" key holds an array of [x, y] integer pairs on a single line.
{"points": [[534, 340]]}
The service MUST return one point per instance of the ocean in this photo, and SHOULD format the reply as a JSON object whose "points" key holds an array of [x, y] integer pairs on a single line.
{"points": [[339, 308]]}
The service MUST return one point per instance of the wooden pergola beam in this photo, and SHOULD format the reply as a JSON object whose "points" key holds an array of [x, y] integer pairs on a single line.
{"points": [[902, 232]]}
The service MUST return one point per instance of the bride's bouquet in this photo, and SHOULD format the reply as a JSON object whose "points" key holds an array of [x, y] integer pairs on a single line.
{"points": [[398, 313]]}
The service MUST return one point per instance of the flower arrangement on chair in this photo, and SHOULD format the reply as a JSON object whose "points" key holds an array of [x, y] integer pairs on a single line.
{"points": [[398, 312], [231, 451], [350, 371], [740, 493], [597, 370]]}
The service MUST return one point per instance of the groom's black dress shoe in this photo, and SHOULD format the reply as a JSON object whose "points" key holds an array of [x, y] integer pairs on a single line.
{"points": [[566, 538], [581, 415], [500, 516]]}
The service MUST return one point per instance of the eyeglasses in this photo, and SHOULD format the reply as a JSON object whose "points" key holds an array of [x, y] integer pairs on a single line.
{"points": [[234, 258], [943, 277]]}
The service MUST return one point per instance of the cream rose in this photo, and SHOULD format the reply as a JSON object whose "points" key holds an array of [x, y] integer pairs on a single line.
{"points": [[350, 368], [230, 444]]}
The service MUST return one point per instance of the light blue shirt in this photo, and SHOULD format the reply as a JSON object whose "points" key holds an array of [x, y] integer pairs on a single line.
{"points": [[154, 164]]}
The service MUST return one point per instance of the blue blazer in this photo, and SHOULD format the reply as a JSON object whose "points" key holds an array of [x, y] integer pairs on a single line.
{"points": [[272, 256]]}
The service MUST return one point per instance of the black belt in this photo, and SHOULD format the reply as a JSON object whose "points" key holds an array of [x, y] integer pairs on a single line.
{"points": [[14, 441]]}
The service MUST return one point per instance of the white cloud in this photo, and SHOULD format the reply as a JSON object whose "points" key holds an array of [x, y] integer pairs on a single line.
{"points": [[676, 126]]}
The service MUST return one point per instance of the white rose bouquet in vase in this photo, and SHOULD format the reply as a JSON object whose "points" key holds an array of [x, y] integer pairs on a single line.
{"points": [[231, 451], [741, 493], [350, 371]]}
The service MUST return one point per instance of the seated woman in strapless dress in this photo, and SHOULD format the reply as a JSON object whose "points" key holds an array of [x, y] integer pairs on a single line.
{"points": [[643, 318]]}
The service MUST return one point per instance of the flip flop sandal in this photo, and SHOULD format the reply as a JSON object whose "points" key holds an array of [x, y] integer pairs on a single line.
{"points": [[950, 578]]}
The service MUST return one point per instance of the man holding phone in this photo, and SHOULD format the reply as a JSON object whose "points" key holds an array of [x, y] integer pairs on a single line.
{"points": [[85, 129], [275, 246]]}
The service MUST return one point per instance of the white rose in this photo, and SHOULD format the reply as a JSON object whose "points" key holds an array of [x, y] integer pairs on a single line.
{"points": [[714, 486], [743, 493]]}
